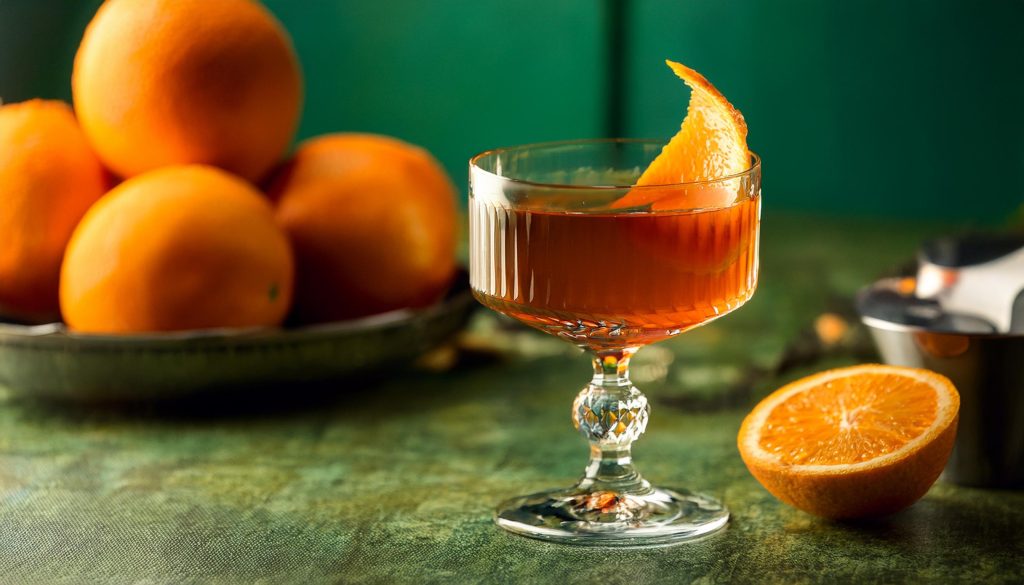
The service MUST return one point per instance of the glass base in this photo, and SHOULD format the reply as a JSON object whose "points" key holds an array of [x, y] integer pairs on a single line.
{"points": [[607, 518]]}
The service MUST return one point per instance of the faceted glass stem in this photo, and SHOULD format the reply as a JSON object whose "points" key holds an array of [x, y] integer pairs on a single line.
{"points": [[612, 504], [611, 413]]}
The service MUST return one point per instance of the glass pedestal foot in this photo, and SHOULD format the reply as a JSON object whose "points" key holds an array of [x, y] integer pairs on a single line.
{"points": [[608, 518], [612, 505]]}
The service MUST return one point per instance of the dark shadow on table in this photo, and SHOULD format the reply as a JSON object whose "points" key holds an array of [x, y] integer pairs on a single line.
{"points": [[948, 519], [395, 390]]}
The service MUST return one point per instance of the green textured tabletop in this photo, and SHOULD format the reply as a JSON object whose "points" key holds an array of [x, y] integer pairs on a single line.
{"points": [[392, 479]]}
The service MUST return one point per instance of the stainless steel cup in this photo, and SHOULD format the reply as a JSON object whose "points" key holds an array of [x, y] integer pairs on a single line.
{"points": [[987, 369]]}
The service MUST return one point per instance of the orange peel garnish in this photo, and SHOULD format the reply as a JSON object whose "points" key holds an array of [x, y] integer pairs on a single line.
{"points": [[711, 144]]}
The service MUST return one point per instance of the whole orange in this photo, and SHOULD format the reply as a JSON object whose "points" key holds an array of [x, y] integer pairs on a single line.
{"points": [[164, 82], [372, 223], [49, 176], [186, 247]]}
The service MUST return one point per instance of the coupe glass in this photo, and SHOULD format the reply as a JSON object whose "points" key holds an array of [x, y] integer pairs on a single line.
{"points": [[556, 242]]}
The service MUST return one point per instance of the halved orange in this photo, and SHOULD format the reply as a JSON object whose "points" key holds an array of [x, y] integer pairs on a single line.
{"points": [[711, 144], [852, 442]]}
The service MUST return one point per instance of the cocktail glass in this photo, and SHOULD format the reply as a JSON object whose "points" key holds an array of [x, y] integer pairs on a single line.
{"points": [[554, 245]]}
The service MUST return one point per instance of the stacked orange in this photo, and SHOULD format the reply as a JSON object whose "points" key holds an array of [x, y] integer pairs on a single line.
{"points": [[193, 104], [49, 177]]}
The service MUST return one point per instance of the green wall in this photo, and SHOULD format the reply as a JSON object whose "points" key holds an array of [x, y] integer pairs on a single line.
{"points": [[906, 108], [456, 76], [874, 107]]}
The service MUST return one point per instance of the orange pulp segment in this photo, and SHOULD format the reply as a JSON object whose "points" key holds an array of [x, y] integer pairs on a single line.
{"points": [[849, 419]]}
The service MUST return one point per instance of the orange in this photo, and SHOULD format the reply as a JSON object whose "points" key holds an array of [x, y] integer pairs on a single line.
{"points": [[711, 144], [164, 82], [186, 247], [852, 442], [372, 222], [49, 176]]}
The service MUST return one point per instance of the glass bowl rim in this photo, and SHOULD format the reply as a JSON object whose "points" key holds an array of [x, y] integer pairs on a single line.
{"points": [[755, 166]]}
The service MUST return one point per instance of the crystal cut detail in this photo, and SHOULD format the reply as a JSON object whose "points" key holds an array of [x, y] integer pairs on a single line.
{"points": [[611, 415]]}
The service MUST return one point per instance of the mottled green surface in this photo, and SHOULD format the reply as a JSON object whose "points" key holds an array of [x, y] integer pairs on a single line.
{"points": [[393, 479]]}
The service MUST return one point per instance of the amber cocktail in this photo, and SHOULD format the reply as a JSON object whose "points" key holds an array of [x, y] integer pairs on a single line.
{"points": [[555, 244]]}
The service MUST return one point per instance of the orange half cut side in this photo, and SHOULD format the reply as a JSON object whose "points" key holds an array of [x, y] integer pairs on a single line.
{"points": [[852, 442]]}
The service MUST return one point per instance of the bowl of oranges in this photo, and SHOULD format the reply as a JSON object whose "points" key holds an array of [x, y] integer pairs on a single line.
{"points": [[162, 236]]}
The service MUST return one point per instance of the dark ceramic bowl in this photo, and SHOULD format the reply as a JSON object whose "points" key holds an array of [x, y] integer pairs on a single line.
{"points": [[47, 361]]}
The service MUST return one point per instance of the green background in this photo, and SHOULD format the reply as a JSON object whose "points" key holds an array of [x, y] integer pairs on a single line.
{"points": [[908, 108]]}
